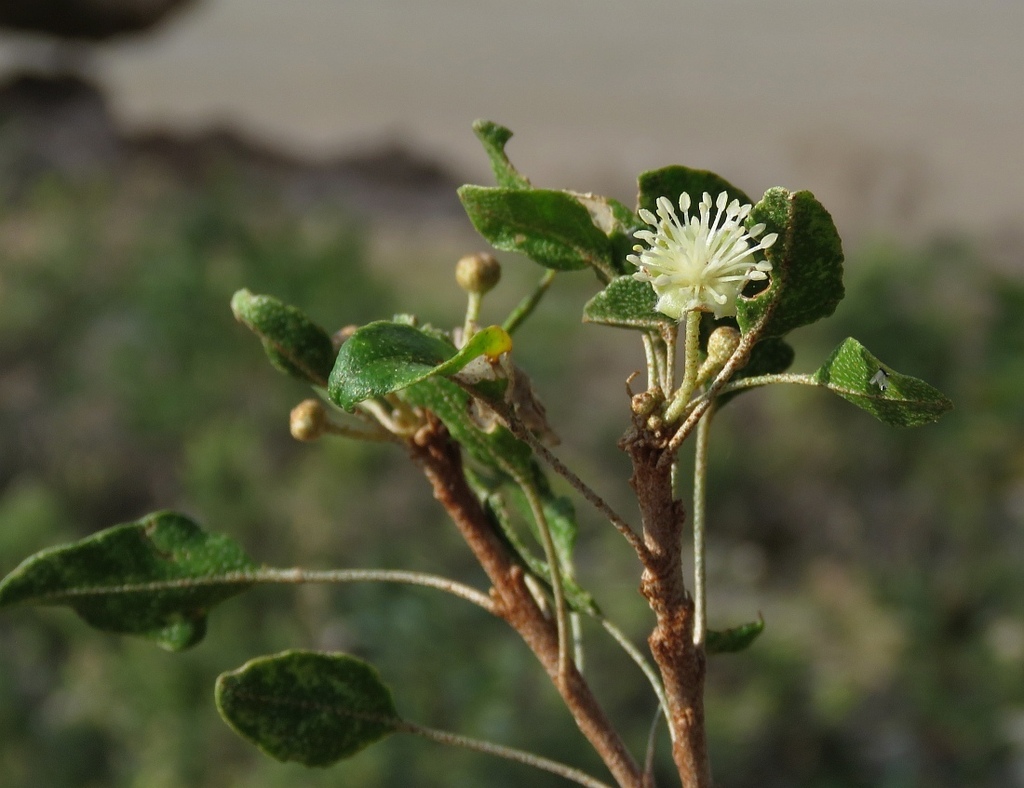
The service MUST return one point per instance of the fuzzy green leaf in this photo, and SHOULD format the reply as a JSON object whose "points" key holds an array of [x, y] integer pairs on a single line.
{"points": [[494, 138], [309, 707], [900, 400], [806, 280], [502, 454], [729, 641], [383, 357], [552, 228], [293, 343], [671, 182], [156, 578], [627, 303]]}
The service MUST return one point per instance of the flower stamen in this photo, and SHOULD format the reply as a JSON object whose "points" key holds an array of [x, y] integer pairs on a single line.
{"points": [[699, 262]]}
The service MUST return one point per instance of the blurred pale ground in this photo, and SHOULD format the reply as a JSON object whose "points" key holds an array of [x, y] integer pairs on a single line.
{"points": [[898, 114]]}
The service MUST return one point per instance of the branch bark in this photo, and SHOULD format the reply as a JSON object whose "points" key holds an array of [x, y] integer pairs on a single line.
{"points": [[440, 459], [682, 663]]}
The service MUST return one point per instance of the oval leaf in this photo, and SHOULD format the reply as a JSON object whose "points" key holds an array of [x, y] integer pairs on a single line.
{"points": [[294, 343], [627, 303], [494, 138], [729, 641], [309, 707], [156, 578], [673, 181], [900, 400], [552, 228], [806, 281], [383, 357]]}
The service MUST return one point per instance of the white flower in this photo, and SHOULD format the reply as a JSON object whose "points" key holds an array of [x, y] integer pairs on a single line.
{"points": [[694, 264]]}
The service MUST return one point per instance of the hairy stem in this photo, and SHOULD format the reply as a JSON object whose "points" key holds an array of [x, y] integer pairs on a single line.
{"points": [[441, 461], [691, 363], [501, 751], [700, 473], [682, 663], [299, 576]]}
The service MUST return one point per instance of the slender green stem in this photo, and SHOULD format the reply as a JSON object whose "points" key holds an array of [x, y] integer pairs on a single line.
{"points": [[578, 654], [558, 591], [670, 338], [298, 576], [736, 360], [691, 363], [472, 315], [501, 751], [529, 303], [577, 483], [700, 473], [638, 658], [655, 378], [652, 740], [767, 380]]}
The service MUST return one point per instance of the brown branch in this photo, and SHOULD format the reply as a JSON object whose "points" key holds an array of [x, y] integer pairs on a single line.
{"points": [[682, 663], [441, 461]]}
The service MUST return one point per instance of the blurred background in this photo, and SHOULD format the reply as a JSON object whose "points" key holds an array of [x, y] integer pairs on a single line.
{"points": [[155, 156]]}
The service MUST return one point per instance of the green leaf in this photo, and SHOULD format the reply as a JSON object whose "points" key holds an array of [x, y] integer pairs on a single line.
{"points": [[492, 492], [617, 222], [673, 181], [552, 228], [729, 641], [383, 357], [806, 280], [156, 578], [294, 343], [309, 707], [502, 454], [494, 138], [900, 400], [627, 303]]}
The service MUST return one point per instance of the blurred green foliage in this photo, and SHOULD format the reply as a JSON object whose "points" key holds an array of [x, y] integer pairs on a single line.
{"points": [[888, 564]]}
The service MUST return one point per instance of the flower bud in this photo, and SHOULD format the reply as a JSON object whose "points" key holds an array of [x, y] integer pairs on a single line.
{"points": [[308, 420], [477, 273], [722, 344]]}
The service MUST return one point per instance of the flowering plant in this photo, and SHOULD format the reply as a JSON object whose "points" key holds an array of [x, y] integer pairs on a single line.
{"points": [[735, 279]]}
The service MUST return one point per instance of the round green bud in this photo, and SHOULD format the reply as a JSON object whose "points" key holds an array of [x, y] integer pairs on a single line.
{"points": [[477, 273]]}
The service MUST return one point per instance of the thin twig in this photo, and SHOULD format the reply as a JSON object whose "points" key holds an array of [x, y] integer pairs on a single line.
{"points": [[270, 575], [767, 380], [579, 485], [529, 303], [638, 658], [537, 509], [652, 740], [736, 360], [655, 378], [670, 336], [578, 655], [501, 751], [295, 576], [700, 474]]}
